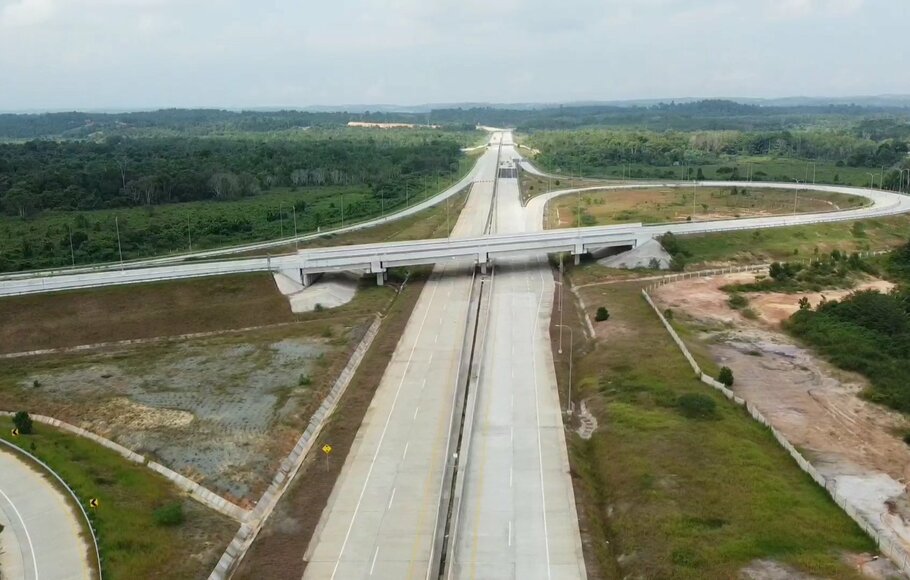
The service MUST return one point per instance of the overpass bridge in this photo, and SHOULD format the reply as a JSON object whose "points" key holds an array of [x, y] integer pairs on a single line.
{"points": [[374, 258]]}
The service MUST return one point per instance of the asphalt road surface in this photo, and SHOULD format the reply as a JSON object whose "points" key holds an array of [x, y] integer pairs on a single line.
{"points": [[518, 517], [42, 538], [381, 517]]}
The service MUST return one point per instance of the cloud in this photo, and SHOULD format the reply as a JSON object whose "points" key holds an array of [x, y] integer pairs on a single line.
{"points": [[20, 13]]}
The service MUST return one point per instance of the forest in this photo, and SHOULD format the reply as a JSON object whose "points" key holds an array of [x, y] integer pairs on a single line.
{"points": [[42, 175]]}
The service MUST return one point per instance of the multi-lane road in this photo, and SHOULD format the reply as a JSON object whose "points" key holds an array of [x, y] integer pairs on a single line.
{"points": [[517, 516], [381, 519]]}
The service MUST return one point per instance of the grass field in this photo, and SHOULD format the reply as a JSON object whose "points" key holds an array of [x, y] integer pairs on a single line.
{"points": [[132, 544], [667, 204], [662, 495], [44, 241]]}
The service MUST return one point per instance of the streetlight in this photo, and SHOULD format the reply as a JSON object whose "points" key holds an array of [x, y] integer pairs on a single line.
{"points": [[296, 241], [119, 246], [900, 186], [694, 196], [796, 195], [571, 356], [871, 180]]}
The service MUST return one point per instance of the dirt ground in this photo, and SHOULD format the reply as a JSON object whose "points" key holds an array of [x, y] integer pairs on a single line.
{"points": [[664, 204], [815, 405], [223, 410]]}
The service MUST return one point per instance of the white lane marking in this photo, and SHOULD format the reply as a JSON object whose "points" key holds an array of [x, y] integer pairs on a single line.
{"points": [[391, 499], [375, 555], [513, 372], [511, 434], [510, 532], [429, 362], [511, 471], [543, 494], [436, 339], [415, 412], [405, 454], [28, 536], [385, 428]]}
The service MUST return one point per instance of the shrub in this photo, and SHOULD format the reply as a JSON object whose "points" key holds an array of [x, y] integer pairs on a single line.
{"points": [[738, 301], [697, 406], [602, 314], [169, 515], [23, 423], [678, 263], [304, 381], [668, 314], [749, 313], [725, 376]]}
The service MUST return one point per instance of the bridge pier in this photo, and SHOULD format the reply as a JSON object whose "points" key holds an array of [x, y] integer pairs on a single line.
{"points": [[380, 278], [577, 259]]}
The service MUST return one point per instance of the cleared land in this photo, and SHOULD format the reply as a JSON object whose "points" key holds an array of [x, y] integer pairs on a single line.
{"points": [[133, 543], [817, 406], [222, 410], [664, 495], [673, 204], [533, 185]]}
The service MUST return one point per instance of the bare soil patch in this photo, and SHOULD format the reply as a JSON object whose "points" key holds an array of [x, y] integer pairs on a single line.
{"points": [[223, 410]]}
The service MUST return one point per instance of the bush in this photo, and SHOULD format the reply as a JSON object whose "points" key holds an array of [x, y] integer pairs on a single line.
{"points": [[697, 406], [738, 301], [668, 314], [304, 381], [678, 263], [23, 423], [169, 515], [602, 314], [725, 376]]}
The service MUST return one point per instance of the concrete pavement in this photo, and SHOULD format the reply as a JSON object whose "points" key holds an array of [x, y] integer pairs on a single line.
{"points": [[42, 536], [518, 517], [381, 517]]}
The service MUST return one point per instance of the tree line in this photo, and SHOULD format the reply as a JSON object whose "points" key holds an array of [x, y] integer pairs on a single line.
{"points": [[116, 172]]}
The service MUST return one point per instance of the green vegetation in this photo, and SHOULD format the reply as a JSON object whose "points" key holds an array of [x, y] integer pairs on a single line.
{"points": [[789, 243], [23, 423], [688, 498], [132, 543], [169, 515], [602, 314], [738, 301], [67, 201], [725, 376], [839, 156], [697, 406], [867, 332], [835, 270]]}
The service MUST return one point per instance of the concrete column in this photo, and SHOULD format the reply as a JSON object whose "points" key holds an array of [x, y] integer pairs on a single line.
{"points": [[305, 279], [577, 259], [380, 278]]}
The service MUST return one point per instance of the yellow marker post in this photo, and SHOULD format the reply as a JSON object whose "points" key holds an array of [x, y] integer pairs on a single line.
{"points": [[15, 432], [326, 449], [94, 503]]}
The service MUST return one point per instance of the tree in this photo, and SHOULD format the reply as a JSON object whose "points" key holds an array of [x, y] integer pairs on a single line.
{"points": [[700, 176], [23, 422], [602, 314], [725, 376], [804, 304]]}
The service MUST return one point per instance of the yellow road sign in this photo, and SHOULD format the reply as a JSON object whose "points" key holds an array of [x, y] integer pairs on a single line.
{"points": [[15, 432], [94, 503], [326, 448]]}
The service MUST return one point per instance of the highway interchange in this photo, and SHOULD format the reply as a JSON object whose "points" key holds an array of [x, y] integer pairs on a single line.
{"points": [[514, 510]]}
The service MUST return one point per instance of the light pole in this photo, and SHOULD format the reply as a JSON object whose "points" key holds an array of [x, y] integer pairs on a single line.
{"points": [[871, 181], [814, 163], [189, 233], [571, 356], [72, 253], [119, 246], [796, 195], [296, 242], [694, 196], [900, 179]]}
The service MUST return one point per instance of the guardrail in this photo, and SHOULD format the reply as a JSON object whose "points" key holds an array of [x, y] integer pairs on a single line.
{"points": [[88, 521]]}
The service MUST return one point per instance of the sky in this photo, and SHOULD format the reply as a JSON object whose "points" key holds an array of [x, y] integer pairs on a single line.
{"points": [[132, 54]]}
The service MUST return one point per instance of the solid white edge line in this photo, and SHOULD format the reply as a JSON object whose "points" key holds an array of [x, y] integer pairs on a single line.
{"points": [[28, 536]]}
